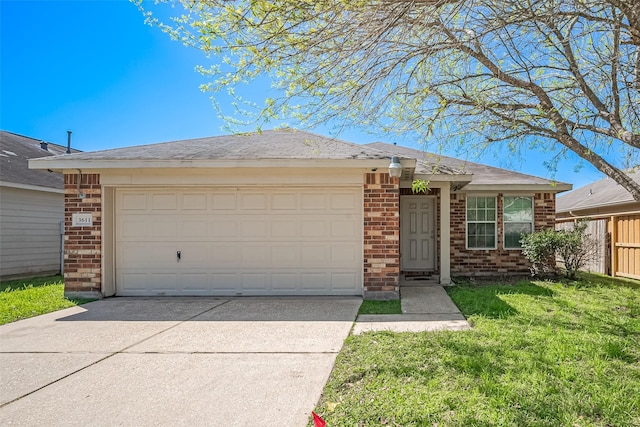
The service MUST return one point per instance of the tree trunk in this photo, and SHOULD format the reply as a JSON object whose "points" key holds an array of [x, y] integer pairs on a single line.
{"points": [[602, 165]]}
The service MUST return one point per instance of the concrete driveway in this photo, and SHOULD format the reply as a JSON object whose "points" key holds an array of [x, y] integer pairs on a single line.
{"points": [[172, 361]]}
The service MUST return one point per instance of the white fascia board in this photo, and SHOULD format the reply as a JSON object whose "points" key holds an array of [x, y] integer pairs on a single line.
{"points": [[558, 188], [70, 164], [31, 187]]}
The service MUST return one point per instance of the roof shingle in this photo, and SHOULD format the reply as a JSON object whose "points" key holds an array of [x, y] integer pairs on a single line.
{"points": [[482, 174], [15, 150], [604, 192], [270, 144]]}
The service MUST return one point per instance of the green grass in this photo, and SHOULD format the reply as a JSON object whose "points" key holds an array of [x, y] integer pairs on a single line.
{"points": [[539, 354], [380, 307], [20, 299]]}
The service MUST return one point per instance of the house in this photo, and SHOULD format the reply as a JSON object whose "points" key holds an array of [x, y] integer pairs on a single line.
{"points": [[614, 222], [31, 209], [285, 212]]}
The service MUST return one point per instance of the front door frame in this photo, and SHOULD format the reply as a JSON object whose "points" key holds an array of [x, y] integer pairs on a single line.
{"points": [[403, 237]]}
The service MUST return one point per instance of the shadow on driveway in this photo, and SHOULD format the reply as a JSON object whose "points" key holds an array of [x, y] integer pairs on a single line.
{"points": [[173, 361], [249, 309]]}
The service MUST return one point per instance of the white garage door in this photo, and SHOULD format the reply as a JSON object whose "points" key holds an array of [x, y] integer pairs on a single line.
{"points": [[239, 241]]}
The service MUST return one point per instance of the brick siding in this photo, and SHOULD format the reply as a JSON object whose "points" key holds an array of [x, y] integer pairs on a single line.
{"points": [[493, 261], [82, 245], [381, 235]]}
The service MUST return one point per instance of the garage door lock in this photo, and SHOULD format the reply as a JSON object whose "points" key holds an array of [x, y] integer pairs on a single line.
{"points": [[179, 255]]}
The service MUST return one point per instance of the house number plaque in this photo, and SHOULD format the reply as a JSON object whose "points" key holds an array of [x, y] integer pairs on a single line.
{"points": [[81, 220]]}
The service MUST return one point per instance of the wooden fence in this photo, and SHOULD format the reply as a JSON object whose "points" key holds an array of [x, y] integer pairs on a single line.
{"points": [[617, 237], [625, 232]]}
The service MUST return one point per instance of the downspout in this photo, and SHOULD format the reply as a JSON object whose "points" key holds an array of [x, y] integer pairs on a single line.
{"points": [[62, 248]]}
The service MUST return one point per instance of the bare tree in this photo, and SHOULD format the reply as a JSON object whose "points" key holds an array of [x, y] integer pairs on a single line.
{"points": [[563, 75]]}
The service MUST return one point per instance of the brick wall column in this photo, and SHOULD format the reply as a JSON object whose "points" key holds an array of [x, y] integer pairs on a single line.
{"points": [[381, 236], [82, 244], [544, 211]]}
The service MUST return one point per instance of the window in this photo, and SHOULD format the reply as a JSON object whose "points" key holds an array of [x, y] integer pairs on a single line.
{"points": [[481, 222], [518, 220]]}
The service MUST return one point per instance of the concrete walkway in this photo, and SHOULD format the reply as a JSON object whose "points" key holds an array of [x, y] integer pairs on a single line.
{"points": [[172, 361], [427, 308]]}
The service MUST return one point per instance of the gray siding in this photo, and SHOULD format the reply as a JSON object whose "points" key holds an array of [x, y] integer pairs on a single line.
{"points": [[29, 231]]}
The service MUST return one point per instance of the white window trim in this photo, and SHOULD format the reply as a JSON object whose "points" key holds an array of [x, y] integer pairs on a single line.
{"points": [[466, 222], [533, 220]]}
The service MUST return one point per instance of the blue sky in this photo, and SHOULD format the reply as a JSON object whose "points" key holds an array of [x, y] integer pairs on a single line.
{"points": [[95, 68]]}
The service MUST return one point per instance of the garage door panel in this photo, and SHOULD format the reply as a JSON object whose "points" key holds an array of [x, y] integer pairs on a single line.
{"points": [[221, 228], [311, 228], [194, 229], [284, 229], [344, 228], [284, 201], [284, 256], [344, 281], [313, 255], [194, 202], [133, 202], [255, 257], [253, 201], [313, 280], [236, 241], [195, 283], [253, 228], [135, 256], [133, 283], [164, 228], [344, 201], [254, 282], [283, 282], [164, 282], [343, 255], [224, 283], [223, 202], [191, 257], [164, 202], [133, 229], [223, 255], [313, 202]]}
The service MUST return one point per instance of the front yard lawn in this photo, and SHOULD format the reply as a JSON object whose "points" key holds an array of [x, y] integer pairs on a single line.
{"points": [[20, 299], [539, 354]]}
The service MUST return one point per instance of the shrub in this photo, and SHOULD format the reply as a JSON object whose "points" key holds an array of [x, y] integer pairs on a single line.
{"points": [[540, 249], [573, 248]]}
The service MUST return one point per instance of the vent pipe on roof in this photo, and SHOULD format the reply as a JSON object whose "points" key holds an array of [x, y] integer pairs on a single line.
{"points": [[44, 145], [68, 142]]}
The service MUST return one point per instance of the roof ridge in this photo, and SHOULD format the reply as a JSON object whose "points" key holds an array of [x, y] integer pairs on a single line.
{"points": [[35, 139]]}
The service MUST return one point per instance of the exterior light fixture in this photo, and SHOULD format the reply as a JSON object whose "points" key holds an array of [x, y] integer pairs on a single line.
{"points": [[395, 168]]}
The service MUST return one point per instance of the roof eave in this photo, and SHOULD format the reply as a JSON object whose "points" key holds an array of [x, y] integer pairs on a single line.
{"points": [[596, 206], [23, 186], [61, 164], [555, 188]]}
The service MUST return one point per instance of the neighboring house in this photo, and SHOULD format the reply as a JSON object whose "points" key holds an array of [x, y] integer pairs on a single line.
{"points": [[614, 222], [31, 209], [287, 213]]}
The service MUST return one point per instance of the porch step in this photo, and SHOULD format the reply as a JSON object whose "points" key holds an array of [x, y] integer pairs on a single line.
{"points": [[420, 281]]}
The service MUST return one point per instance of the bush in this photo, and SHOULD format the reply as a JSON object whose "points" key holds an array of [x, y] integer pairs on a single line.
{"points": [[540, 249], [573, 248]]}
